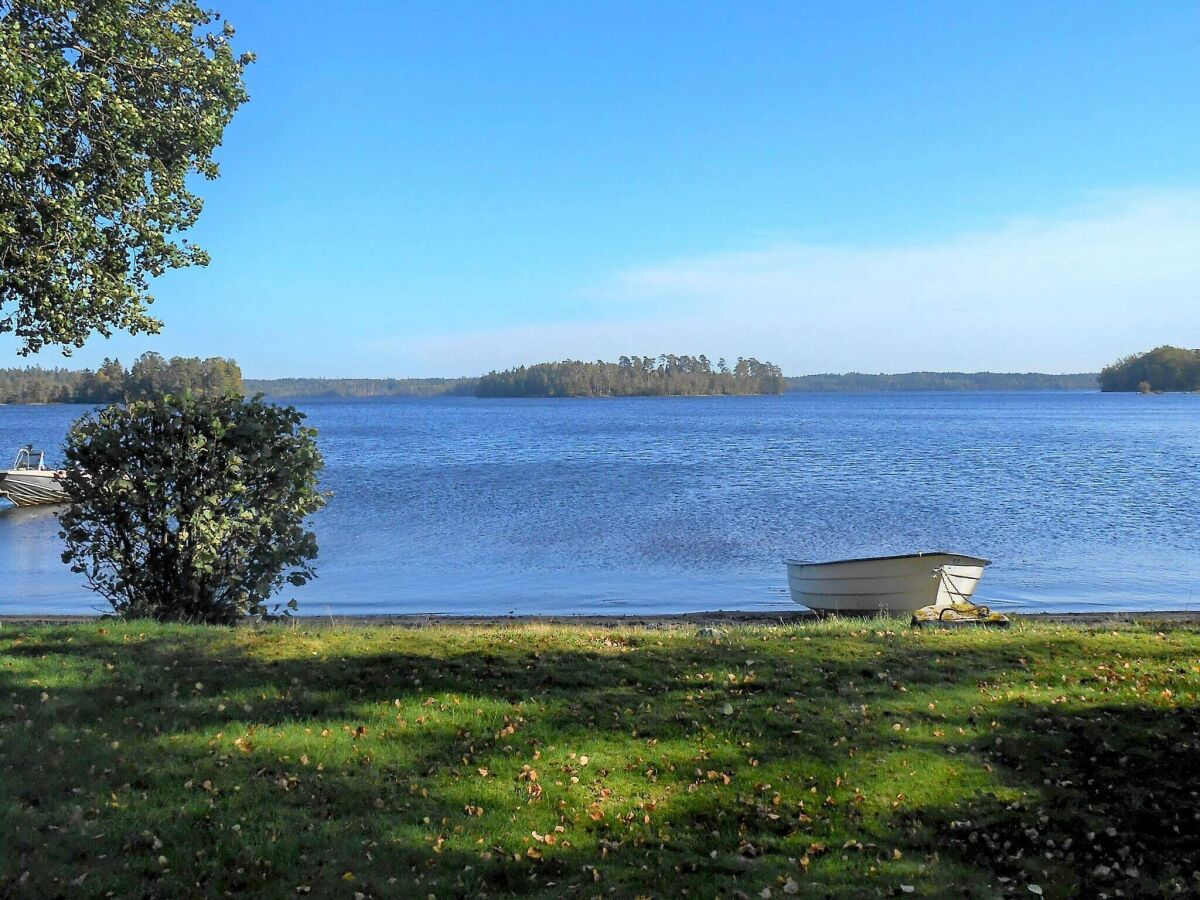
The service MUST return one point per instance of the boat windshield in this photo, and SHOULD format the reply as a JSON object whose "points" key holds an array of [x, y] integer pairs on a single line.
{"points": [[28, 458]]}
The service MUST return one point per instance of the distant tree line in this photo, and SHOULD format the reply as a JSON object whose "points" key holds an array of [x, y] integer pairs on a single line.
{"points": [[635, 376], [1160, 369], [150, 376], [943, 381], [362, 387], [632, 376]]}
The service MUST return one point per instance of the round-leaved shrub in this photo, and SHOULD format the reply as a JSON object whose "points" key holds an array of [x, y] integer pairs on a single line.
{"points": [[190, 509]]}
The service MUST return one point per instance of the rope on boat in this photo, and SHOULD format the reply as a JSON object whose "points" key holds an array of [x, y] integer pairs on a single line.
{"points": [[958, 612]]}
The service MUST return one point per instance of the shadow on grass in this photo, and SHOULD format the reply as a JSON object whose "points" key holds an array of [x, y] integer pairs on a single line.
{"points": [[184, 761], [1118, 801]]}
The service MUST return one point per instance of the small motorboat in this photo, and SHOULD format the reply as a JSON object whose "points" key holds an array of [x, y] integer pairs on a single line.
{"points": [[891, 585], [29, 482]]}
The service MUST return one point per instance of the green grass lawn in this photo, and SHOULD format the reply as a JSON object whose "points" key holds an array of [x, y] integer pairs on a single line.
{"points": [[840, 759]]}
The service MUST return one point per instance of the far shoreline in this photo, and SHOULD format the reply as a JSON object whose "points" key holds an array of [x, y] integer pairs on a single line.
{"points": [[865, 392]]}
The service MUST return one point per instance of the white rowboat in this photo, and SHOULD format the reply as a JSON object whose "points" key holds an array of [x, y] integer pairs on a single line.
{"points": [[895, 585], [29, 482]]}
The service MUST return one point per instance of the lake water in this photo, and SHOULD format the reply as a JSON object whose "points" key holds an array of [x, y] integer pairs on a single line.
{"points": [[1085, 501]]}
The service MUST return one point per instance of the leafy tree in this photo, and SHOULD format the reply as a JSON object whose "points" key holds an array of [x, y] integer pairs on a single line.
{"points": [[106, 108], [191, 510], [108, 383], [148, 375]]}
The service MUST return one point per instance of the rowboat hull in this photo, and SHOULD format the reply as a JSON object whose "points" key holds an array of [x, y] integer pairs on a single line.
{"points": [[893, 585], [31, 487]]}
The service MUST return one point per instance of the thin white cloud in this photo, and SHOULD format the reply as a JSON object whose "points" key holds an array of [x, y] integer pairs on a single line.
{"points": [[1062, 293]]}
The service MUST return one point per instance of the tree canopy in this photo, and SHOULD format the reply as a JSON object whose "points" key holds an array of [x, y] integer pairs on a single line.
{"points": [[150, 376], [1161, 369], [191, 509], [106, 108]]}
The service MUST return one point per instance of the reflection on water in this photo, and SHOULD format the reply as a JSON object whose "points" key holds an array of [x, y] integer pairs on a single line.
{"points": [[1084, 501], [20, 516], [32, 576], [27, 531]]}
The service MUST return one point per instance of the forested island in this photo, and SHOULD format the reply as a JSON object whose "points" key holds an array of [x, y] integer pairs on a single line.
{"points": [[857, 382], [635, 376], [1157, 370], [150, 376]]}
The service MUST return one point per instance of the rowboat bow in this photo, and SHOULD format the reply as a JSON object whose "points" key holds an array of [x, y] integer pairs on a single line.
{"points": [[894, 585]]}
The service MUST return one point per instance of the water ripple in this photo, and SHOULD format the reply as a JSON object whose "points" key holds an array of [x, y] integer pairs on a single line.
{"points": [[1084, 501]]}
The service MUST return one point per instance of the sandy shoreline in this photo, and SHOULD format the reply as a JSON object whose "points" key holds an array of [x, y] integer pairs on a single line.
{"points": [[718, 617]]}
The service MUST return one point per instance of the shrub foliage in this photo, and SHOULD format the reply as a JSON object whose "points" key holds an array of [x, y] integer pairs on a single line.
{"points": [[191, 509]]}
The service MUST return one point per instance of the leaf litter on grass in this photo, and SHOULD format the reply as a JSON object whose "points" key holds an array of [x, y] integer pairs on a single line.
{"points": [[842, 759]]}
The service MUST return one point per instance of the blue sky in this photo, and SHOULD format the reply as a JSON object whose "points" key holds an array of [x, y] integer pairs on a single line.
{"points": [[444, 188]]}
